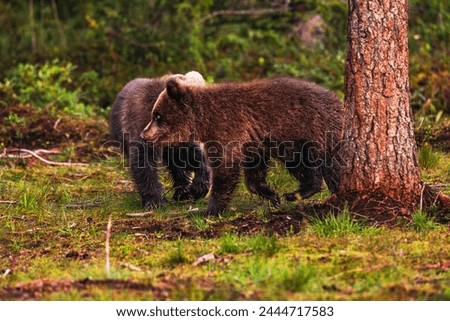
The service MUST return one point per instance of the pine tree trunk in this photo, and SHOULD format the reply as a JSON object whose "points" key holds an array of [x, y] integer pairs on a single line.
{"points": [[380, 151]]}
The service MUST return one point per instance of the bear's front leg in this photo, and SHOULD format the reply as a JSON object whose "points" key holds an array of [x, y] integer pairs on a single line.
{"points": [[143, 168], [175, 160], [200, 184], [224, 182]]}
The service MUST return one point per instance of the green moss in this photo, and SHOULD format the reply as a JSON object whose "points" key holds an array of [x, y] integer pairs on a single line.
{"points": [[329, 259]]}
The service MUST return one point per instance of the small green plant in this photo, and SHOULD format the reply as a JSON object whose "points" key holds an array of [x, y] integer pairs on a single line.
{"points": [[29, 201], [263, 245], [178, 255], [422, 222], [199, 222], [336, 225], [259, 271], [229, 243], [295, 278], [428, 158], [15, 119]]}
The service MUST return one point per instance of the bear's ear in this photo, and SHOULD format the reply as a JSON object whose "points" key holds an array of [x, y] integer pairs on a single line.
{"points": [[175, 89]]}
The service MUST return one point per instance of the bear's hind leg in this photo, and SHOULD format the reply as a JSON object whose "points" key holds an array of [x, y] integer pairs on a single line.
{"points": [[306, 172], [255, 179], [310, 180], [223, 185]]}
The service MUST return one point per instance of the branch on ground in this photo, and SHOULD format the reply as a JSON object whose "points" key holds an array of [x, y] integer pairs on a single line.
{"points": [[26, 153]]}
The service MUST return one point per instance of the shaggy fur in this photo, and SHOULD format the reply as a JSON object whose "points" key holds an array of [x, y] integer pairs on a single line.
{"points": [[244, 125], [130, 113]]}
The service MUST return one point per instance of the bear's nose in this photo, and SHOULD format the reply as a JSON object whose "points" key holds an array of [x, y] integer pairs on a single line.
{"points": [[142, 135]]}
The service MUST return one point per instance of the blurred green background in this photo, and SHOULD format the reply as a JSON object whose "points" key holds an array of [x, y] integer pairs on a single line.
{"points": [[74, 56]]}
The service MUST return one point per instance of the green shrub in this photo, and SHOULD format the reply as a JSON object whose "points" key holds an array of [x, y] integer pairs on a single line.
{"points": [[52, 86]]}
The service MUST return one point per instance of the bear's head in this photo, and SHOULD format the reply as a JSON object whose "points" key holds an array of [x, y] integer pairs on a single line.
{"points": [[172, 116]]}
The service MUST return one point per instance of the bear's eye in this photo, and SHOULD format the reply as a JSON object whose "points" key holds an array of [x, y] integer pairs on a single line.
{"points": [[157, 117]]}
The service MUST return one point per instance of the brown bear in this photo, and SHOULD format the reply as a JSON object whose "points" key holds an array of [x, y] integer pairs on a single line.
{"points": [[245, 124], [130, 113]]}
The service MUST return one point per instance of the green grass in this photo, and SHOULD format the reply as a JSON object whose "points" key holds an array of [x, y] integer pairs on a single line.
{"points": [[230, 244], [55, 236], [428, 158], [338, 225], [423, 222]]}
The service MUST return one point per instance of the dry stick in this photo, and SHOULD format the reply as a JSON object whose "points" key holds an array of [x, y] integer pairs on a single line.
{"points": [[19, 150], [108, 234], [34, 154], [45, 151], [421, 198], [84, 205], [5, 274], [9, 202], [139, 214], [56, 124]]}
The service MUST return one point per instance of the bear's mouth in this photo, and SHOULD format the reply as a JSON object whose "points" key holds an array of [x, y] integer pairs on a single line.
{"points": [[147, 135]]}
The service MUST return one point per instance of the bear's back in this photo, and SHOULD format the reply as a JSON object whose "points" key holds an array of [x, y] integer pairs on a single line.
{"points": [[132, 108]]}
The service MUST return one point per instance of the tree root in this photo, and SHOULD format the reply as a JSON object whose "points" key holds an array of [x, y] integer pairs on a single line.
{"points": [[380, 209]]}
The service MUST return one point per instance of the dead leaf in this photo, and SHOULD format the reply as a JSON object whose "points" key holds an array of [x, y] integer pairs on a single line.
{"points": [[445, 266], [131, 267], [204, 258]]}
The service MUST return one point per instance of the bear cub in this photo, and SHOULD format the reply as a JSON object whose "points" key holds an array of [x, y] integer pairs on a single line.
{"points": [[130, 113], [243, 125]]}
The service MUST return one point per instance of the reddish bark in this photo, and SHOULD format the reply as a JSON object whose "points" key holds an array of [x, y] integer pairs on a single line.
{"points": [[380, 152]]}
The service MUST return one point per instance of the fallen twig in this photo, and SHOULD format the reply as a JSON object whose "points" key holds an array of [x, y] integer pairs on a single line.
{"points": [[108, 234], [438, 185], [84, 205], [5, 274], [421, 198], [141, 235], [35, 155], [9, 202], [131, 267], [56, 124], [139, 214]]}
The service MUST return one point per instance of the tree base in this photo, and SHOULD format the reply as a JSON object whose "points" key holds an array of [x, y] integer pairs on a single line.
{"points": [[381, 209]]}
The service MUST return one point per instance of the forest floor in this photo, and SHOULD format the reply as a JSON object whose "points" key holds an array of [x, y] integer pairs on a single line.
{"points": [[53, 226]]}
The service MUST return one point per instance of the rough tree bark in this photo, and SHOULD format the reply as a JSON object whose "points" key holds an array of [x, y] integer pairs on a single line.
{"points": [[380, 153]]}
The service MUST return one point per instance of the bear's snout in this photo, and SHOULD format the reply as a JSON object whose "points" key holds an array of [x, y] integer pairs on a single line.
{"points": [[150, 133], [148, 136]]}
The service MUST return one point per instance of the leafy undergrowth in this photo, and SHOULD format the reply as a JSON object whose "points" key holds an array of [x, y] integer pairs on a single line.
{"points": [[52, 244]]}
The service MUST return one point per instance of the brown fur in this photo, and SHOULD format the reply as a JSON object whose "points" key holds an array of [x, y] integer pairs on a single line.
{"points": [[243, 125], [130, 113]]}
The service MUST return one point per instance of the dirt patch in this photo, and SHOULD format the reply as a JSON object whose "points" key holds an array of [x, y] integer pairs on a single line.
{"points": [[163, 288], [381, 210], [272, 223], [275, 223], [437, 137], [29, 127]]}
